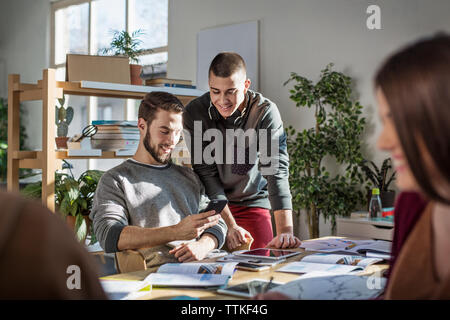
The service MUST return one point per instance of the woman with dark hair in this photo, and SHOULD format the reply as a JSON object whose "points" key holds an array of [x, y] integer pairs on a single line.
{"points": [[40, 258], [413, 93]]}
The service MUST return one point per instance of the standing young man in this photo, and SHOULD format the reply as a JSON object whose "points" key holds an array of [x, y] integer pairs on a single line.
{"points": [[230, 111]]}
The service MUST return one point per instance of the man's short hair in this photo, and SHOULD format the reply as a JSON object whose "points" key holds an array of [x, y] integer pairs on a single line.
{"points": [[226, 64], [156, 100]]}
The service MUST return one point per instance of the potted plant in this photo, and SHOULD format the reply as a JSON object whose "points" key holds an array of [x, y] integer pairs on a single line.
{"points": [[335, 137], [73, 198], [4, 141], [124, 44], [63, 117], [379, 179]]}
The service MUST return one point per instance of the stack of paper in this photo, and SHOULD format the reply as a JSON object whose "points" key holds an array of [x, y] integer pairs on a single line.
{"points": [[253, 260], [323, 286], [330, 263], [115, 135], [192, 274], [348, 246], [124, 290]]}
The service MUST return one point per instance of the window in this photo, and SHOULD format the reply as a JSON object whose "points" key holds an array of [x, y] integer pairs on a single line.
{"points": [[86, 27]]}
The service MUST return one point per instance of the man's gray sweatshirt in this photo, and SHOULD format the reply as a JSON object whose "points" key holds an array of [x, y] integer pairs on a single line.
{"points": [[137, 194], [245, 183]]}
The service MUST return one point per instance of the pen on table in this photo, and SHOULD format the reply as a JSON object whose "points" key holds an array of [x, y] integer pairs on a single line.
{"points": [[267, 285], [350, 246]]}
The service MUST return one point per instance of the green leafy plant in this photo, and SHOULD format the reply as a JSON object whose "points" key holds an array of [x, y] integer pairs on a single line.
{"points": [[4, 140], [379, 176], [124, 44], [63, 117], [73, 197], [335, 135]]}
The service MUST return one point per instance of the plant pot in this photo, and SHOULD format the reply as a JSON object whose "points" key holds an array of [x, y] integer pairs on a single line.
{"points": [[70, 220], [61, 142], [135, 74], [387, 198]]}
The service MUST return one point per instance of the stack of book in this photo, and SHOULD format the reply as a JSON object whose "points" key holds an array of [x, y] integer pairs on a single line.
{"points": [[165, 82], [115, 135]]}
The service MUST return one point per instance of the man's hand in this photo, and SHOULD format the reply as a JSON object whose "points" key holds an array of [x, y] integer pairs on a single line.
{"points": [[193, 225], [284, 241], [194, 251], [236, 236]]}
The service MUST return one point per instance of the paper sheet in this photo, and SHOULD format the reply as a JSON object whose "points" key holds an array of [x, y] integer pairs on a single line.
{"points": [[123, 290], [308, 267]]}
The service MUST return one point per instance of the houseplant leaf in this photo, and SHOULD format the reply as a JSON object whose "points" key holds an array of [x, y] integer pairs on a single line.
{"points": [[80, 227]]}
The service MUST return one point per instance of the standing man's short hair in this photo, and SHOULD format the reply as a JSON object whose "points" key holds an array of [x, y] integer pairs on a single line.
{"points": [[156, 100], [226, 64]]}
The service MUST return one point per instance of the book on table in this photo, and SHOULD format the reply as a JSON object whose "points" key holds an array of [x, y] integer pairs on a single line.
{"points": [[326, 286], [349, 246], [192, 274], [329, 263]]}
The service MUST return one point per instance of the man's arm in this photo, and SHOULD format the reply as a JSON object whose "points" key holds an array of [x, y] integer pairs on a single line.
{"points": [[276, 172], [285, 231], [134, 237], [195, 251], [109, 212], [236, 235], [191, 227], [109, 215]]}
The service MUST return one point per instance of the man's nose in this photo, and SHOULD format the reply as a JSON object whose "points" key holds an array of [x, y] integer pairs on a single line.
{"points": [[173, 139], [222, 98]]}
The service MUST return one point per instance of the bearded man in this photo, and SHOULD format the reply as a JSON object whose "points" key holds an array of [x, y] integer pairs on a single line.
{"points": [[148, 202]]}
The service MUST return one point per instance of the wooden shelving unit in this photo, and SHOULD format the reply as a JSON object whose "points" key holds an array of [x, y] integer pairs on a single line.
{"points": [[48, 90]]}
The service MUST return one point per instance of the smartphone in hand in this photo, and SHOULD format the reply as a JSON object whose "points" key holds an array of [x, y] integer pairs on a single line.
{"points": [[216, 205]]}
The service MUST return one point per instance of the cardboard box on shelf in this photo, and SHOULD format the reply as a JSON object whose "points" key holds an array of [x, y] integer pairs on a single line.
{"points": [[113, 69]]}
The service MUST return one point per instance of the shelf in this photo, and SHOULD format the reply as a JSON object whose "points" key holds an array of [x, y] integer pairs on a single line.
{"points": [[48, 90], [37, 155], [30, 92], [110, 90]]}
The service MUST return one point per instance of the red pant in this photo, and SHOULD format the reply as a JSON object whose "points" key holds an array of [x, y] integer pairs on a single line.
{"points": [[257, 221]]}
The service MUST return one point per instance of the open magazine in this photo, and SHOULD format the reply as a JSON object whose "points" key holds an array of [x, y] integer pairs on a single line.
{"points": [[325, 286], [192, 274], [362, 247], [330, 263], [252, 260]]}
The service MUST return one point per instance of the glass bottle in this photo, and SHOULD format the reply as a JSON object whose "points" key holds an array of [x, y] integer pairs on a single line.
{"points": [[375, 207]]}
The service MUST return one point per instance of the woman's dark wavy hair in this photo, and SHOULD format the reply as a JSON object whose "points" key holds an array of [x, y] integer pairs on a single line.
{"points": [[416, 84]]}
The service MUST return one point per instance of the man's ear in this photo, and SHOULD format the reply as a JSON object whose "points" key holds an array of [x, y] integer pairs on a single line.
{"points": [[142, 124], [247, 84]]}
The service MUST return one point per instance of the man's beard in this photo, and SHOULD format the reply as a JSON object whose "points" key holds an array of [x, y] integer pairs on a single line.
{"points": [[163, 159]]}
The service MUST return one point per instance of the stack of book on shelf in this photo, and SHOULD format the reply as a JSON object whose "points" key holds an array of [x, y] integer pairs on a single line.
{"points": [[165, 82], [113, 135]]}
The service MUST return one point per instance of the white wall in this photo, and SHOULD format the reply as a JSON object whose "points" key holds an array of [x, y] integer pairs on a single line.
{"points": [[25, 50], [295, 35], [303, 36]]}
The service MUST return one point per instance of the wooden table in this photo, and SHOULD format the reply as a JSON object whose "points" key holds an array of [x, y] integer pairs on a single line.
{"points": [[239, 276]]}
